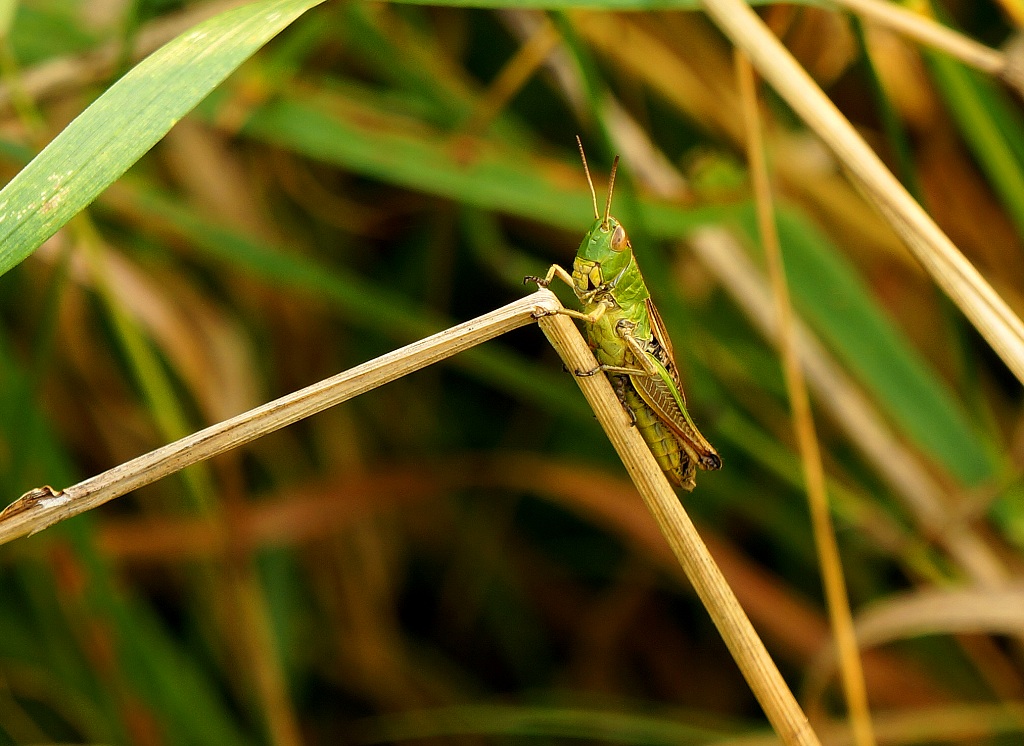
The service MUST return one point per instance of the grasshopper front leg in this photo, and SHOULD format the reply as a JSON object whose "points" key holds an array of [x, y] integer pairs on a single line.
{"points": [[561, 274], [554, 271]]}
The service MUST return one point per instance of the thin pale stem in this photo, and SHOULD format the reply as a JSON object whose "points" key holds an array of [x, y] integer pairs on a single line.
{"points": [[746, 647], [803, 420], [513, 76], [43, 507], [958, 278], [246, 589], [928, 32]]}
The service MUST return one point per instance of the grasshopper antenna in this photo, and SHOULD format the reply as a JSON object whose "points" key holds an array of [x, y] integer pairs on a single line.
{"points": [[590, 181], [611, 186]]}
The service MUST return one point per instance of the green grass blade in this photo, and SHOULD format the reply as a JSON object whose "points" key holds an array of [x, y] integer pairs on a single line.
{"points": [[346, 131], [127, 120], [173, 688], [831, 297], [533, 721]]}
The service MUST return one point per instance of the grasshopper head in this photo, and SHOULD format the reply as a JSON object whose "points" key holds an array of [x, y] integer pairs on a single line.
{"points": [[605, 250], [603, 254]]}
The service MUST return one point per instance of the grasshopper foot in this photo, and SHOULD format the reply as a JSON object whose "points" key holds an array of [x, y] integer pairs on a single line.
{"points": [[587, 373], [632, 416], [540, 281]]}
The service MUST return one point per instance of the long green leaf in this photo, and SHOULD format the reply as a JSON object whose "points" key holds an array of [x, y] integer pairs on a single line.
{"points": [[833, 299], [345, 131], [128, 119]]}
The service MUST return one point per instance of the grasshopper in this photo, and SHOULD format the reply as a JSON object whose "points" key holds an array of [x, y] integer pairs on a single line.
{"points": [[631, 344]]}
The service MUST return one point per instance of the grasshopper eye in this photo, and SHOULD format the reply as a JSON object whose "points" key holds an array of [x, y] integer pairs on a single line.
{"points": [[620, 240]]}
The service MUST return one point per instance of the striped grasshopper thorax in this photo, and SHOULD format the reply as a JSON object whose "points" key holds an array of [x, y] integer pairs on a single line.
{"points": [[603, 275]]}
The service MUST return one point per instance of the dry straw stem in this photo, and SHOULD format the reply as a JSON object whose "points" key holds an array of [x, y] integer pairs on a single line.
{"points": [[928, 611], [513, 76], [763, 677], [803, 421], [43, 507], [955, 275], [930, 33]]}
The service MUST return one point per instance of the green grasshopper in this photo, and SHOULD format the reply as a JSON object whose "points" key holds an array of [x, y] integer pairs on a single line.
{"points": [[631, 344]]}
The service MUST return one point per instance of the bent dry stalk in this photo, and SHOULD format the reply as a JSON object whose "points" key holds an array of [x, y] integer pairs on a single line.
{"points": [[631, 343], [45, 506]]}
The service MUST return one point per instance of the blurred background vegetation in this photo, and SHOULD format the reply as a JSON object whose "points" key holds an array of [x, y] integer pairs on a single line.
{"points": [[459, 555]]}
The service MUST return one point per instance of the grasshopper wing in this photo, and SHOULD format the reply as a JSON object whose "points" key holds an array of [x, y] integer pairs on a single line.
{"points": [[665, 398], [660, 333], [664, 394], [663, 347]]}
